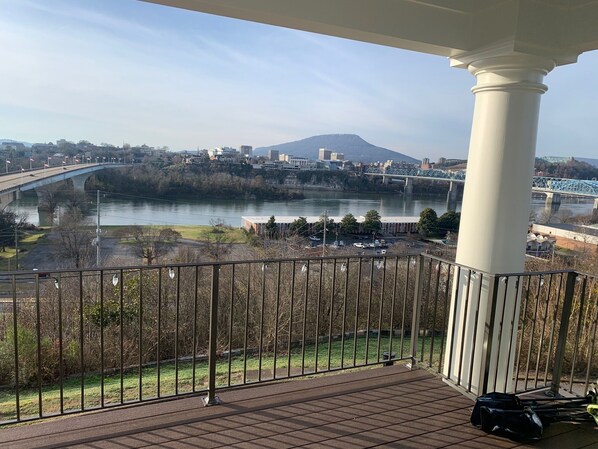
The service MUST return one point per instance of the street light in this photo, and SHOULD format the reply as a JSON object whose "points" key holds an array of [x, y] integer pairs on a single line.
{"points": [[7, 164]]}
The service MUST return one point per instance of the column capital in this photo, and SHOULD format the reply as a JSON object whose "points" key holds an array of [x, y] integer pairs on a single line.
{"points": [[510, 72]]}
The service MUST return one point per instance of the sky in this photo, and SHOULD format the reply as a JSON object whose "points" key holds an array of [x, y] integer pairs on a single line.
{"points": [[126, 71]]}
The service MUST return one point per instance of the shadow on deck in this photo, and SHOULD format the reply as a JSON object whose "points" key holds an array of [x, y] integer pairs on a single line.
{"points": [[384, 407]]}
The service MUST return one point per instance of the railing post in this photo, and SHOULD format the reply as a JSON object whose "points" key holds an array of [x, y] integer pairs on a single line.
{"points": [[211, 398], [489, 333], [559, 355], [417, 301]]}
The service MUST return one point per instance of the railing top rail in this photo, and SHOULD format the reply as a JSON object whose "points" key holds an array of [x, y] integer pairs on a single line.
{"points": [[209, 264], [93, 271]]}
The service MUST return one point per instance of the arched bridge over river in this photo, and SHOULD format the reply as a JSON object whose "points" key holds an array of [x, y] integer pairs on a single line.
{"points": [[12, 184]]}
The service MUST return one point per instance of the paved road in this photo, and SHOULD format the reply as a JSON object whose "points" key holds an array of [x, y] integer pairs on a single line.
{"points": [[11, 181]]}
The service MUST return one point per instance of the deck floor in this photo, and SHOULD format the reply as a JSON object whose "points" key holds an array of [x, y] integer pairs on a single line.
{"points": [[388, 407]]}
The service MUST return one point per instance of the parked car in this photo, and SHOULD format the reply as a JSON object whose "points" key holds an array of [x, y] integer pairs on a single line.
{"points": [[359, 245], [314, 238]]}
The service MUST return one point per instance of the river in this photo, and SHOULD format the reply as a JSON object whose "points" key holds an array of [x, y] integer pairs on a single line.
{"points": [[117, 209]]}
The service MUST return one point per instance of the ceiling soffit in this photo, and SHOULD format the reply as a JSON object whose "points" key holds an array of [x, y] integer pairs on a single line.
{"points": [[558, 29]]}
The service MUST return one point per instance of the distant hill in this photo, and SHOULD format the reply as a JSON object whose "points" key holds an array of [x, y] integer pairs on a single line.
{"points": [[27, 144], [593, 162], [352, 146]]}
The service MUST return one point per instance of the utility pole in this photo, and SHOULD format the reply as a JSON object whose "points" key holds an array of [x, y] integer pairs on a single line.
{"points": [[98, 229]]}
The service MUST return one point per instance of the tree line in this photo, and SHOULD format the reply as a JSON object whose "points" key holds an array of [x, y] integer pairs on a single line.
{"points": [[347, 226], [186, 181]]}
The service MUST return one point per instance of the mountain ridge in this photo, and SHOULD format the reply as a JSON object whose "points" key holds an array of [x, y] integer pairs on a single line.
{"points": [[352, 146]]}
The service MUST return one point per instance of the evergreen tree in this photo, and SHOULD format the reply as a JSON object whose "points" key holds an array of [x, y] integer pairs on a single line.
{"points": [[271, 228], [449, 222], [372, 223], [299, 226], [349, 224], [428, 222]]}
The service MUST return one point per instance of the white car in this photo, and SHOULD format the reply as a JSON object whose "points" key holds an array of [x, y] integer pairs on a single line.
{"points": [[358, 245]]}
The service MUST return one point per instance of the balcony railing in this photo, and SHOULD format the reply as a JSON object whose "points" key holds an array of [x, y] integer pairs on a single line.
{"points": [[72, 341]]}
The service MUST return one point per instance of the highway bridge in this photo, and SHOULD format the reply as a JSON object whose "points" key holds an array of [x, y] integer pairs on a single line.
{"points": [[12, 184]]}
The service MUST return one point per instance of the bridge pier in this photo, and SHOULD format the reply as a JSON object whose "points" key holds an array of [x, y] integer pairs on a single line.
{"points": [[46, 216], [553, 201], [47, 202], [79, 182], [451, 197], [8, 197], [385, 179], [595, 211], [408, 187]]}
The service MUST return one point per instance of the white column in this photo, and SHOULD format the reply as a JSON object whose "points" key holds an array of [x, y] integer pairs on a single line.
{"points": [[495, 213], [500, 164]]}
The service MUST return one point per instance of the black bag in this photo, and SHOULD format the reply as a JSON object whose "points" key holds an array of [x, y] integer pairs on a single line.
{"points": [[507, 415], [502, 401], [519, 425]]}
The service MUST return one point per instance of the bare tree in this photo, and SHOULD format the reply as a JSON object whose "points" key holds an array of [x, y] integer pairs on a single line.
{"points": [[76, 235], [151, 243], [49, 197]]}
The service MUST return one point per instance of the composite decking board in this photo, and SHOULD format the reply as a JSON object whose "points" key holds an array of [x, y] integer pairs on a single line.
{"points": [[385, 407]]}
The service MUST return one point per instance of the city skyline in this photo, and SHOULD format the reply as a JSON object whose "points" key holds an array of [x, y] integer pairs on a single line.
{"points": [[129, 71]]}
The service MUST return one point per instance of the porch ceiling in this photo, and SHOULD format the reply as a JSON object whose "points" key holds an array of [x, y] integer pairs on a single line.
{"points": [[560, 29]]}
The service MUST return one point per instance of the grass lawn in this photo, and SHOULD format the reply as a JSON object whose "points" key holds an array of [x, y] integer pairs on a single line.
{"points": [[26, 242], [200, 233], [149, 386], [206, 233]]}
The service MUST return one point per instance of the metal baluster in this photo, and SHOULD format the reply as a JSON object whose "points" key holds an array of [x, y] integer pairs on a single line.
{"points": [[121, 316], [318, 316], [211, 398], [276, 323], [367, 326], [291, 320], [230, 324], [195, 299], [331, 313], [140, 334], [357, 312], [81, 341], [60, 343], [15, 311], [582, 299], [177, 306], [437, 287], [380, 310], [344, 314], [246, 323], [259, 374], [39, 348], [541, 340], [523, 314], [561, 346], [159, 318], [305, 317], [552, 328]]}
